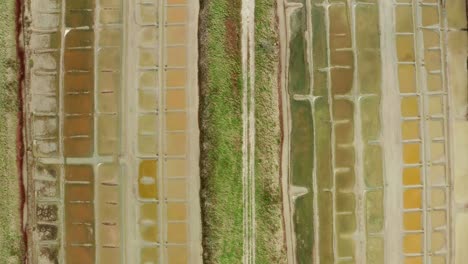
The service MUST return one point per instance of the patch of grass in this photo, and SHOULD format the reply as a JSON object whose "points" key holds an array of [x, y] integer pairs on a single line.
{"points": [[302, 160], [221, 130], [221, 133], [270, 246], [10, 235]]}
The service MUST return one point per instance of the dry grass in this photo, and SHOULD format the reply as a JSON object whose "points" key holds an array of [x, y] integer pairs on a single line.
{"points": [[10, 235]]}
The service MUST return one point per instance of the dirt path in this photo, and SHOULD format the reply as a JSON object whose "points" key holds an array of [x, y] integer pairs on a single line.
{"points": [[248, 119], [284, 11], [390, 138]]}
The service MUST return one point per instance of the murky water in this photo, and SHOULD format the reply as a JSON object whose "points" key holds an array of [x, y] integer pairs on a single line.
{"points": [[176, 15], [147, 179], [176, 35], [176, 144], [176, 211]]}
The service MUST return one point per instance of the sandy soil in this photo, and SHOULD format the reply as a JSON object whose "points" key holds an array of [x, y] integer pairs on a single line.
{"points": [[248, 118]]}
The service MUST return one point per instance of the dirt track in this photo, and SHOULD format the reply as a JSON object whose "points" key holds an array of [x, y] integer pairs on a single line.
{"points": [[248, 119]]}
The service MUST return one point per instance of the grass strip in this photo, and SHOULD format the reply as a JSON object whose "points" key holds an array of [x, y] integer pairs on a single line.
{"points": [[270, 247], [10, 234], [221, 130]]}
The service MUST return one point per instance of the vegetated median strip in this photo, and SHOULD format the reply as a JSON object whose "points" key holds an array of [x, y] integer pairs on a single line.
{"points": [[222, 135], [221, 130]]}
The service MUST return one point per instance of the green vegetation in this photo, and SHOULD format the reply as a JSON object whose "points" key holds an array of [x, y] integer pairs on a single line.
{"points": [[10, 235], [221, 133], [302, 162], [269, 241], [221, 130]]}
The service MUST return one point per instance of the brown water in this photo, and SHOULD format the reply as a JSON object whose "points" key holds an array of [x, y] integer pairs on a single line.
{"points": [[177, 254], [176, 15], [344, 133], [79, 192], [147, 179], [79, 39], [79, 212], [410, 106], [79, 60], [176, 211], [109, 213], [78, 125], [407, 78], [81, 103], [343, 109], [176, 232], [342, 58], [176, 78], [405, 48], [176, 189], [79, 255], [78, 82], [78, 18], [176, 143], [108, 193], [79, 173], [110, 255], [176, 2], [176, 35], [109, 235], [79, 233], [176, 56], [176, 121], [176, 167], [78, 147], [341, 81], [78, 103]]}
